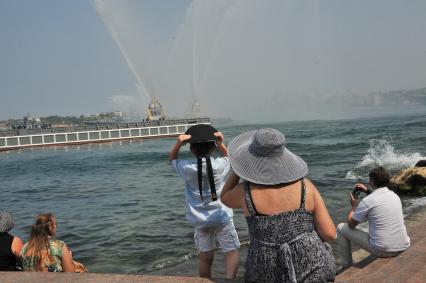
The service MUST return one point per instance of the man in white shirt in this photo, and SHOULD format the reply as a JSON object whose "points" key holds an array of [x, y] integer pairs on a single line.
{"points": [[382, 209]]}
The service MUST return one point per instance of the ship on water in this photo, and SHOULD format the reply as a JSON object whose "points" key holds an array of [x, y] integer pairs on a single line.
{"points": [[155, 125]]}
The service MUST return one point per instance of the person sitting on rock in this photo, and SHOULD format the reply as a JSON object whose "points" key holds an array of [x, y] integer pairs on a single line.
{"points": [[382, 209]]}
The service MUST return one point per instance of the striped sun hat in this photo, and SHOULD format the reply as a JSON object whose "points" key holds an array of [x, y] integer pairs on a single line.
{"points": [[260, 157]]}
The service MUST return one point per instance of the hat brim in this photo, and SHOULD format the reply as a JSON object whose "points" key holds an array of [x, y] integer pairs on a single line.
{"points": [[285, 168]]}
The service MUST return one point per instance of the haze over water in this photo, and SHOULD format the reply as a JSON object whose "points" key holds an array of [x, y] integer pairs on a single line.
{"points": [[269, 60], [120, 206]]}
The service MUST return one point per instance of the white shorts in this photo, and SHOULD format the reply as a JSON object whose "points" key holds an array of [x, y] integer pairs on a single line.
{"points": [[225, 237]]}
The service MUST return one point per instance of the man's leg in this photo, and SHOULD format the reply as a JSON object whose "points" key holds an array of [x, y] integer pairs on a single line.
{"points": [[227, 238], [204, 241], [345, 236], [205, 264], [231, 263]]}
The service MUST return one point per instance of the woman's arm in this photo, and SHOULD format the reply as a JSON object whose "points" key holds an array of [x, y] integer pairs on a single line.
{"points": [[17, 247], [66, 260], [231, 195], [323, 222]]}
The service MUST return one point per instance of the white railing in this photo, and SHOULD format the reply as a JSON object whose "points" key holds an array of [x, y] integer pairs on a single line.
{"points": [[92, 136]]}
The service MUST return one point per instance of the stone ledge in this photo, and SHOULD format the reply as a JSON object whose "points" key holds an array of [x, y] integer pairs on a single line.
{"points": [[406, 267], [47, 277]]}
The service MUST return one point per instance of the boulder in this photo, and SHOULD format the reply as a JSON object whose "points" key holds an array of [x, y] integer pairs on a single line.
{"points": [[421, 163], [410, 181]]}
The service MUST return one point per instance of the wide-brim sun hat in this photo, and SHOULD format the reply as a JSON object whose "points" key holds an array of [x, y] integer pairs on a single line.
{"points": [[261, 157]]}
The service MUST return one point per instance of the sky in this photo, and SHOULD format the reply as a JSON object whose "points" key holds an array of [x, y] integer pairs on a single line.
{"points": [[252, 60]]}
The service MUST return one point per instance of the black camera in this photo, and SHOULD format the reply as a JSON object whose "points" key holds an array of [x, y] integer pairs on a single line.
{"points": [[358, 190]]}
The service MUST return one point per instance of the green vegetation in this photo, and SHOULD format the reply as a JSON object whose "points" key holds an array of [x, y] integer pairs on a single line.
{"points": [[73, 120]]}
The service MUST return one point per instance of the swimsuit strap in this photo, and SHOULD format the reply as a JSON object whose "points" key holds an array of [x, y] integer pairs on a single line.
{"points": [[249, 200], [303, 197]]}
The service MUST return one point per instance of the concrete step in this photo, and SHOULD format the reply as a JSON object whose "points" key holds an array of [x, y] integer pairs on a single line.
{"points": [[409, 266], [54, 277]]}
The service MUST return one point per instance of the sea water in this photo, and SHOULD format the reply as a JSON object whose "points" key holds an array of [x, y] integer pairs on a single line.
{"points": [[120, 206]]}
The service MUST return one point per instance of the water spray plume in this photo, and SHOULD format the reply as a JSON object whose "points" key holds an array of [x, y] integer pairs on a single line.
{"points": [[99, 7]]}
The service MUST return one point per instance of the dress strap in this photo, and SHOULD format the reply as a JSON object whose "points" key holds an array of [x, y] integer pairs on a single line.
{"points": [[249, 200], [303, 198]]}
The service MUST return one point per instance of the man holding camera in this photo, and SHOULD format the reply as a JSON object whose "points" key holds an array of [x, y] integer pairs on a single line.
{"points": [[382, 208]]}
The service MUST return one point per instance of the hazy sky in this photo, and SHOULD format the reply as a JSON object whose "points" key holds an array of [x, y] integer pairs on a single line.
{"points": [[258, 60]]}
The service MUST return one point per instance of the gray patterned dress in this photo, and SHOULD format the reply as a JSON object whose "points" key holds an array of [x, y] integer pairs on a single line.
{"points": [[285, 247]]}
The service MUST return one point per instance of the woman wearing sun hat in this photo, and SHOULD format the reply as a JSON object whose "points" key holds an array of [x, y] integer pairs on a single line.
{"points": [[287, 219]]}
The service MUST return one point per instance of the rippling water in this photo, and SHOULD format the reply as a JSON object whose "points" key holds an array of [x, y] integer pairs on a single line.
{"points": [[120, 206]]}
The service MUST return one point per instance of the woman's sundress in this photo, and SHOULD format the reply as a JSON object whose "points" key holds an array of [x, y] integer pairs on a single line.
{"points": [[51, 264], [285, 247]]}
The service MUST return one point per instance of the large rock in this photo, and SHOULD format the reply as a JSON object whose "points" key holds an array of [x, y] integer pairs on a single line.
{"points": [[421, 163], [410, 181]]}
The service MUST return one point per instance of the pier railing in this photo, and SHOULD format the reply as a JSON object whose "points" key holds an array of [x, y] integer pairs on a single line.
{"points": [[100, 126], [102, 132]]}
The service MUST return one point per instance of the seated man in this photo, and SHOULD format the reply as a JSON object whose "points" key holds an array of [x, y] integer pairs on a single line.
{"points": [[382, 208]]}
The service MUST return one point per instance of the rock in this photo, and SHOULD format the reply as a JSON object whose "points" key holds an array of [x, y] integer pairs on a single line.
{"points": [[410, 181], [421, 163]]}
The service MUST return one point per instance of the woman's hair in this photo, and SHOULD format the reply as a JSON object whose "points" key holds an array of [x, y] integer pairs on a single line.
{"points": [[379, 177], [201, 149], [39, 238]]}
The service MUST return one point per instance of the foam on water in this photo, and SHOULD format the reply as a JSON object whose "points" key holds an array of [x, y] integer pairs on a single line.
{"points": [[382, 153], [351, 175]]}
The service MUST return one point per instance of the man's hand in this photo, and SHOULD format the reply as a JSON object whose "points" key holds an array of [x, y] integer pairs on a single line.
{"points": [[361, 186], [182, 139], [354, 201], [219, 137]]}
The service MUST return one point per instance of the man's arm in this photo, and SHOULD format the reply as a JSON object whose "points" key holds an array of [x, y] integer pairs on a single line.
{"points": [[181, 139], [354, 203], [222, 147]]}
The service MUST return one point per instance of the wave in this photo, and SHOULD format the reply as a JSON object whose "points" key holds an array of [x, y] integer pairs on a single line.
{"points": [[382, 153]]}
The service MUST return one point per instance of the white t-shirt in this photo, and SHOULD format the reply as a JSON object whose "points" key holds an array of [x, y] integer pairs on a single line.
{"points": [[383, 210], [206, 213]]}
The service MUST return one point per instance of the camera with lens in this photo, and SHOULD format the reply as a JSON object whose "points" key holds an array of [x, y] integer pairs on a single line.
{"points": [[358, 190]]}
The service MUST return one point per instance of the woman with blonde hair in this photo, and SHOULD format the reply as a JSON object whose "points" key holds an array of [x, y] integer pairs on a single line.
{"points": [[43, 252]]}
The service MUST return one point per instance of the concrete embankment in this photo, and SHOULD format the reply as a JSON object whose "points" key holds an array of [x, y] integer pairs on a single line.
{"points": [[406, 267], [42, 277]]}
